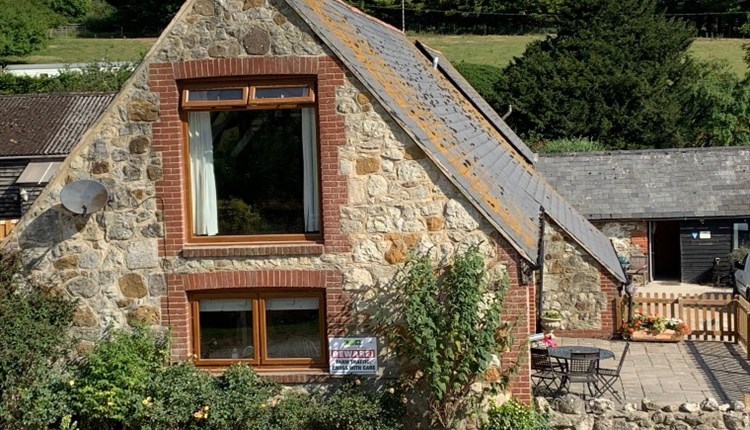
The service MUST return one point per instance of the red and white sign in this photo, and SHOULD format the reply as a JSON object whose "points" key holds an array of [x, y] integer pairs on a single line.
{"points": [[353, 355]]}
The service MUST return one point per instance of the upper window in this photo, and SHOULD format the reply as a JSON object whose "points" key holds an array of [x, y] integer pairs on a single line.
{"points": [[261, 328], [253, 161]]}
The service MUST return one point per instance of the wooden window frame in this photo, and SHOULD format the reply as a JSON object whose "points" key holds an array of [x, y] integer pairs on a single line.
{"points": [[249, 86], [260, 349], [249, 101], [210, 104]]}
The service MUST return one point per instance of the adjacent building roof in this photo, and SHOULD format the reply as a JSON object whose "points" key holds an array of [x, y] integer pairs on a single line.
{"points": [[46, 124], [653, 184], [458, 135]]}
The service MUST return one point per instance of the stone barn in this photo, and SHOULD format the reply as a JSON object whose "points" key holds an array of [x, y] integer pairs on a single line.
{"points": [[271, 163]]}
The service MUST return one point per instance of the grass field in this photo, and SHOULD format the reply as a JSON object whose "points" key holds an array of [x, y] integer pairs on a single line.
{"points": [[73, 50], [494, 50], [500, 50]]}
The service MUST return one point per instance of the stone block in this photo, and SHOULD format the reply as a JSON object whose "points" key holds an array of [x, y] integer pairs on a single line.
{"points": [[100, 167], [396, 253], [132, 286], [83, 316], [279, 19], [457, 217], [83, 286], [367, 165], [253, 3], [139, 145], [154, 173], [84, 347], [435, 223], [204, 7], [143, 110], [142, 255], [67, 262], [144, 315], [256, 41]]}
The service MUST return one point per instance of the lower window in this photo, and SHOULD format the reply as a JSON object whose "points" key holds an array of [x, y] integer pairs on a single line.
{"points": [[261, 328]]}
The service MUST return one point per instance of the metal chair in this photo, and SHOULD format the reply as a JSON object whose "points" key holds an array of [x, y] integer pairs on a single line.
{"points": [[581, 369], [545, 373], [608, 377]]}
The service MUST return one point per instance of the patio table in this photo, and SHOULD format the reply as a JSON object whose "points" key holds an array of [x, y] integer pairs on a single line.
{"points": [[563, 352], [582, 371]]}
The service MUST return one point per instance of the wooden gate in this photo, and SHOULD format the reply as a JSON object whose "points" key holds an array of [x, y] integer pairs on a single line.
{"points": [[710, 316]]}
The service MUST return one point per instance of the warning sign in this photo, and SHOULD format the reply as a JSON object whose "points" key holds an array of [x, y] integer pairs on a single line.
{"points": [[353, 355]]}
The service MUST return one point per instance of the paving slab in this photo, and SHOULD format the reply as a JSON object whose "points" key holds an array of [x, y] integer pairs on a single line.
{"points": [[674, 373]]}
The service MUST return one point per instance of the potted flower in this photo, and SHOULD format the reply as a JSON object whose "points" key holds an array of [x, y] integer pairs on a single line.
{"points": [[654, 328], [551, 320]]}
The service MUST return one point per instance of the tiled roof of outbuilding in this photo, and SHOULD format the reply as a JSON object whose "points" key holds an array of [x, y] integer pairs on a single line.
{"points": [[650, 184], [477, 157], [47, 124]]}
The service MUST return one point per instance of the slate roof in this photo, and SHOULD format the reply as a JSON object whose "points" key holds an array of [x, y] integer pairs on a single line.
{"points": [[489, 170], [47, 124], [653, 184]]}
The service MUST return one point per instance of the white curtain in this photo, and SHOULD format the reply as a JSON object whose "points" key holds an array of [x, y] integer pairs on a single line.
{"points": [[202, 180], [310, 171]]}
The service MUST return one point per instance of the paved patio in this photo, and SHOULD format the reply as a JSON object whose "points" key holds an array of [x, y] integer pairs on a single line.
{"points": [[675, 373]]}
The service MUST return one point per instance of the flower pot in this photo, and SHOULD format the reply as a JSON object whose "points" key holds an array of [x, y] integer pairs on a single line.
{"points": [[656, 336], [549, 325]]}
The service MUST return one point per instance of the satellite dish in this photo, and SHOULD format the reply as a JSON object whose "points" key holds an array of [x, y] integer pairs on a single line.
{"points": [[84, 196]]}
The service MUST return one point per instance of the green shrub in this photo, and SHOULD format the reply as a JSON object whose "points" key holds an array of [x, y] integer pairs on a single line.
{"points": [[180, 397], [581, 144], [483, 78], [93, 78], [115, 377], [351, 408], [33, 329], [244, 400], [445, 326], [512, 415]]}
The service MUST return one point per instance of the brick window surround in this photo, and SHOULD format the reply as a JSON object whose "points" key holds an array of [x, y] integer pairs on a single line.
{"points": [[176, 308], [168, 138]]}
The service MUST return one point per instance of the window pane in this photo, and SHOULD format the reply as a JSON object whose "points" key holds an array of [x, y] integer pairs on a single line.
{"points": [[226, 329], [281, 93], [741, 235], [259, 174], [215, 95], [293, 328]]}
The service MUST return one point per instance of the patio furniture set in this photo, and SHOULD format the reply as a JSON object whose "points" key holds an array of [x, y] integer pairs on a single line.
{"points": [[555, 369]]}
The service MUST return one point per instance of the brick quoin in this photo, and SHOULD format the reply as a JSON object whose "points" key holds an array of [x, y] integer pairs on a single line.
{"points": [[169, 136], [519, 307], [176, 309]]}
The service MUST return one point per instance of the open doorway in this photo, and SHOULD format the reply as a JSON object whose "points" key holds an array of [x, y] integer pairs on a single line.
{"points": [[665, 250]]}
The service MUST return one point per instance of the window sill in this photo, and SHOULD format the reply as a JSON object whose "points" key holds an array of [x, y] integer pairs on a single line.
{"points": [[291, 376], [253, 250]]}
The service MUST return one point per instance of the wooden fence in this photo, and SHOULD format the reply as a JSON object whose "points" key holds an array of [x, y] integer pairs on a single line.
{"points": [[710, 316], [742, 323], [6, 226]]}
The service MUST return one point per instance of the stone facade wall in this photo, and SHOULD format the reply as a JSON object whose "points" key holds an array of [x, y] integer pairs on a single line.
{"points": [[572, 282], [131, 262], [630, 239], [571, 412]]}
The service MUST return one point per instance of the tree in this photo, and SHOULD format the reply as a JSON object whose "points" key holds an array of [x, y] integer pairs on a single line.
{"points": [[445, 327], [145, 17], [23, 27], [615, 73], [24, 24]]}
